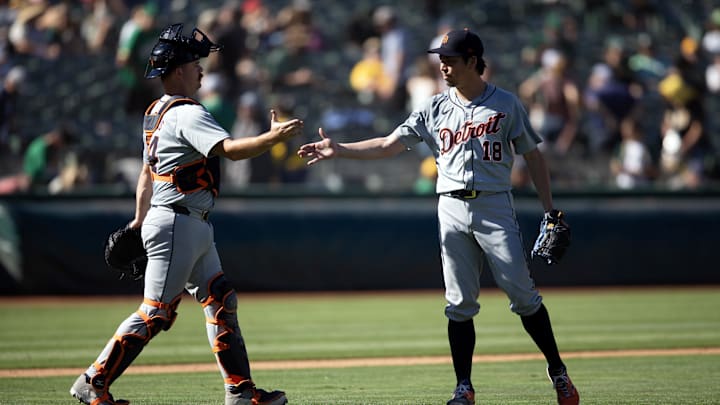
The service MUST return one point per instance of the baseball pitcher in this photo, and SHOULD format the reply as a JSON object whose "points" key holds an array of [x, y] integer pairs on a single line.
{"points": [[474, 129]]}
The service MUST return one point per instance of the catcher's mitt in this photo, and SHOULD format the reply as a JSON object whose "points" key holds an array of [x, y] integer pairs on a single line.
{"points": [[124, 253], [554, 237]]}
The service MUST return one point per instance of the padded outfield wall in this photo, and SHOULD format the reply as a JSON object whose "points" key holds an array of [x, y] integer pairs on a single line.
{"points": [[55, 245]]}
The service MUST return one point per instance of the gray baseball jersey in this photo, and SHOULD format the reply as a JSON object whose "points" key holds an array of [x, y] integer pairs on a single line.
{"points": [[180, 248], [186, 133], [474, 145]]}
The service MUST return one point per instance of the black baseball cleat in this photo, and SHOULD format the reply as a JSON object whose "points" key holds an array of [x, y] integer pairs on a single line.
{"points": [[464, 394], [250, 395]]}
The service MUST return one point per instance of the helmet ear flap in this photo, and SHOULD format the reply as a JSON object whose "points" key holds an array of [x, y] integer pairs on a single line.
{"points": [[161, 57]]}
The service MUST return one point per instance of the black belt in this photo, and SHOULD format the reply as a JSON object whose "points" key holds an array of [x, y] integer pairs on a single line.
{"points": [[179, 209], [463, 194]]}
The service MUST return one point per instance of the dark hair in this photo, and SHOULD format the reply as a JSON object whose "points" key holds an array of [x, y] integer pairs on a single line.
{"points": [[480, 66]]}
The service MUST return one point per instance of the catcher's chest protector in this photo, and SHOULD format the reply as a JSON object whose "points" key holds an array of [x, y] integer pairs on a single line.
{"points": [[202, 174]]}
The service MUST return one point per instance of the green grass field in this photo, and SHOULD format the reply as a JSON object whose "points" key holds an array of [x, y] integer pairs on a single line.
{"points": [[69, 334]]}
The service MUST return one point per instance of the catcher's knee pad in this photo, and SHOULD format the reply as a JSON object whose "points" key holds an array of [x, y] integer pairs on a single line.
{"points": [[221, 304], [159, 316], [220, 309]]}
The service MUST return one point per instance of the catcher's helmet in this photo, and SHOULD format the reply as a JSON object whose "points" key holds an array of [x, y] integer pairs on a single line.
{"points": [[173, 49]]}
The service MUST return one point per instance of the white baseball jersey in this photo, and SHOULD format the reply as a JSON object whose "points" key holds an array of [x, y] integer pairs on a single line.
{"points": [[187, 132], [473, 143]]}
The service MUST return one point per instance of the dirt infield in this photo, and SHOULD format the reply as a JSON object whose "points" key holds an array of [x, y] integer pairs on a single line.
{"points": [[364, 362]]}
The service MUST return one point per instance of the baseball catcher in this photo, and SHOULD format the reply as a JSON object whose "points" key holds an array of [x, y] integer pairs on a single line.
{"points": [[124, 253], [554, 237], [176, 190]]}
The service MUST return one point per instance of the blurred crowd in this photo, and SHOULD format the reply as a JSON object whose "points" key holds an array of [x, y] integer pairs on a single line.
{"points": [[625, 93]]}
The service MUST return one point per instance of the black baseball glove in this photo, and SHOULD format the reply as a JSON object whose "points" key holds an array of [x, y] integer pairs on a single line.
{"points": [[124, 253], [554, 237]]}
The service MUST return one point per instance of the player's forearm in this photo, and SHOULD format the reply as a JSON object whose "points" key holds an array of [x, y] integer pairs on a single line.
{"points": [[376, 148], [541, 177], [542, 185], [246, 148]]}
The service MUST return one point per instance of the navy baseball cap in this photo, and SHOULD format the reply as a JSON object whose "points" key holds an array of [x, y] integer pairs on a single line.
{"points": [[460, 43]]}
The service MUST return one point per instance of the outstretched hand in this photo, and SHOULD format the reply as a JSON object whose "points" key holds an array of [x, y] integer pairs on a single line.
{"points": [[286, 129], [317, 151]]}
